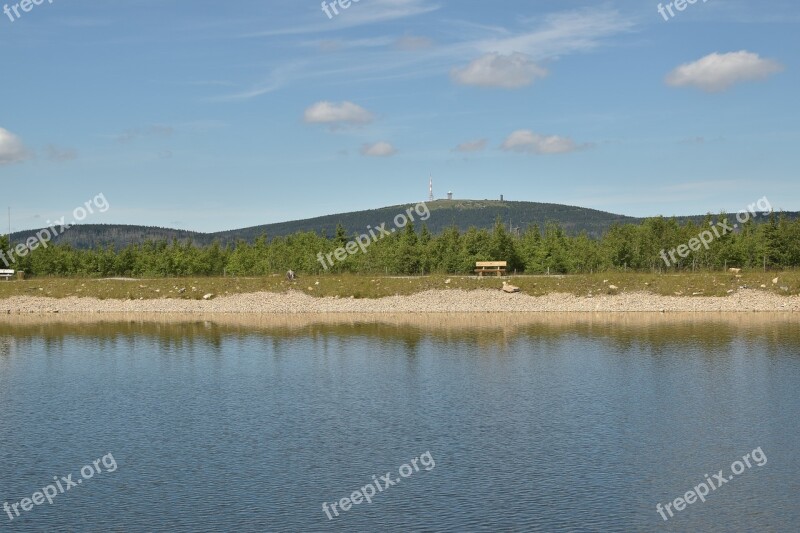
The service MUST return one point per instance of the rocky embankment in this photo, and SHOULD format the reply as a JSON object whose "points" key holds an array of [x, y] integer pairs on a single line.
{"points": [[433, 301]]}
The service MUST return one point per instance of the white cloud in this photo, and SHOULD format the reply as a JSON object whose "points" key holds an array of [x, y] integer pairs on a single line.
{"points": [[718, 72], [378, 149], [471, 146], [12, 150], [337, 114], [526, 141], [495, 70]]}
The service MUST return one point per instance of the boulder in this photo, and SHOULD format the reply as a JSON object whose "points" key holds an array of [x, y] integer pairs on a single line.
{"points": [[507, 287]]}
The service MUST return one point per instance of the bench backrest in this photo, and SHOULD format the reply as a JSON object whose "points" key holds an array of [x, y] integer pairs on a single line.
{"points": [[4, 272], [480, 264]]}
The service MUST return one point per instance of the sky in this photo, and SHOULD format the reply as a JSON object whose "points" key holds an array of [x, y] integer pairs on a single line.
{"points": [[210, 116]]}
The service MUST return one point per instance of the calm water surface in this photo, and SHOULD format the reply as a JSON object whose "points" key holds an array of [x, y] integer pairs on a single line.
{"points": [[544, 425]]}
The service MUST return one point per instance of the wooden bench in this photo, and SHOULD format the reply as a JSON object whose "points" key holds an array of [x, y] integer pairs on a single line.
{"points": [[490, 267], [8, 274]]}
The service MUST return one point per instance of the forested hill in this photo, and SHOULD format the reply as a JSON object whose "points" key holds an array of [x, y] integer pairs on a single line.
{"points": [[443, 213], [92, 236]]}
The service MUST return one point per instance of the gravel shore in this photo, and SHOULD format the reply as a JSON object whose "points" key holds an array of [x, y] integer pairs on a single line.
{"points": [[433, 301]]}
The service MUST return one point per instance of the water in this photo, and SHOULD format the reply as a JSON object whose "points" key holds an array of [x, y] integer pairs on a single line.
{"points": [[531, 423]]}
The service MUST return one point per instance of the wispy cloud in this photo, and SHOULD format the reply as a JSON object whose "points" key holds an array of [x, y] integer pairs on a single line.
{"points": [[360, 14], [156, 130], [380, 58], [60, 155], [247, 94], [413, 43], [277, 78], [472, 146], [561, 34], [526, 141]]}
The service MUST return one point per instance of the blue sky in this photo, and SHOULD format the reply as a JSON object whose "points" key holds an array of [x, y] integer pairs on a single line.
{"points": [[217, 115]]}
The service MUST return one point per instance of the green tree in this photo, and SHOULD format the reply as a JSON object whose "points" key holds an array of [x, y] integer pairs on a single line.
{"points": [[446, 252], [501, 247], [341, 236], [407, 252], [5, 246]]}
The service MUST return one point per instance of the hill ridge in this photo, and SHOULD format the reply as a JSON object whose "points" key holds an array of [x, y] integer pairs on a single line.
{"points": [[462, 213]]}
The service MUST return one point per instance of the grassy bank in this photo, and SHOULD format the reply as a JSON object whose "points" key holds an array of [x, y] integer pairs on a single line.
{"points": [[364, 286]]}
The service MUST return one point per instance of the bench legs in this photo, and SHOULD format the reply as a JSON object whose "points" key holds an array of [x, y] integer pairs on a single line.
{"points": [[497, 273]]}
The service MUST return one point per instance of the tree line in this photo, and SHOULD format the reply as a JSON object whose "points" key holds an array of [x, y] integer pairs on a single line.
{"points": [[772, 244]]}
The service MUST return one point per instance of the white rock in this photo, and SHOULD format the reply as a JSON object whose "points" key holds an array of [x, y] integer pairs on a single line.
{"points": [[208, 296]]}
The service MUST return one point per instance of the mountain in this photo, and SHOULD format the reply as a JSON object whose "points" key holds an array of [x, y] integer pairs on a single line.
{"points": [[443, 213]]}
